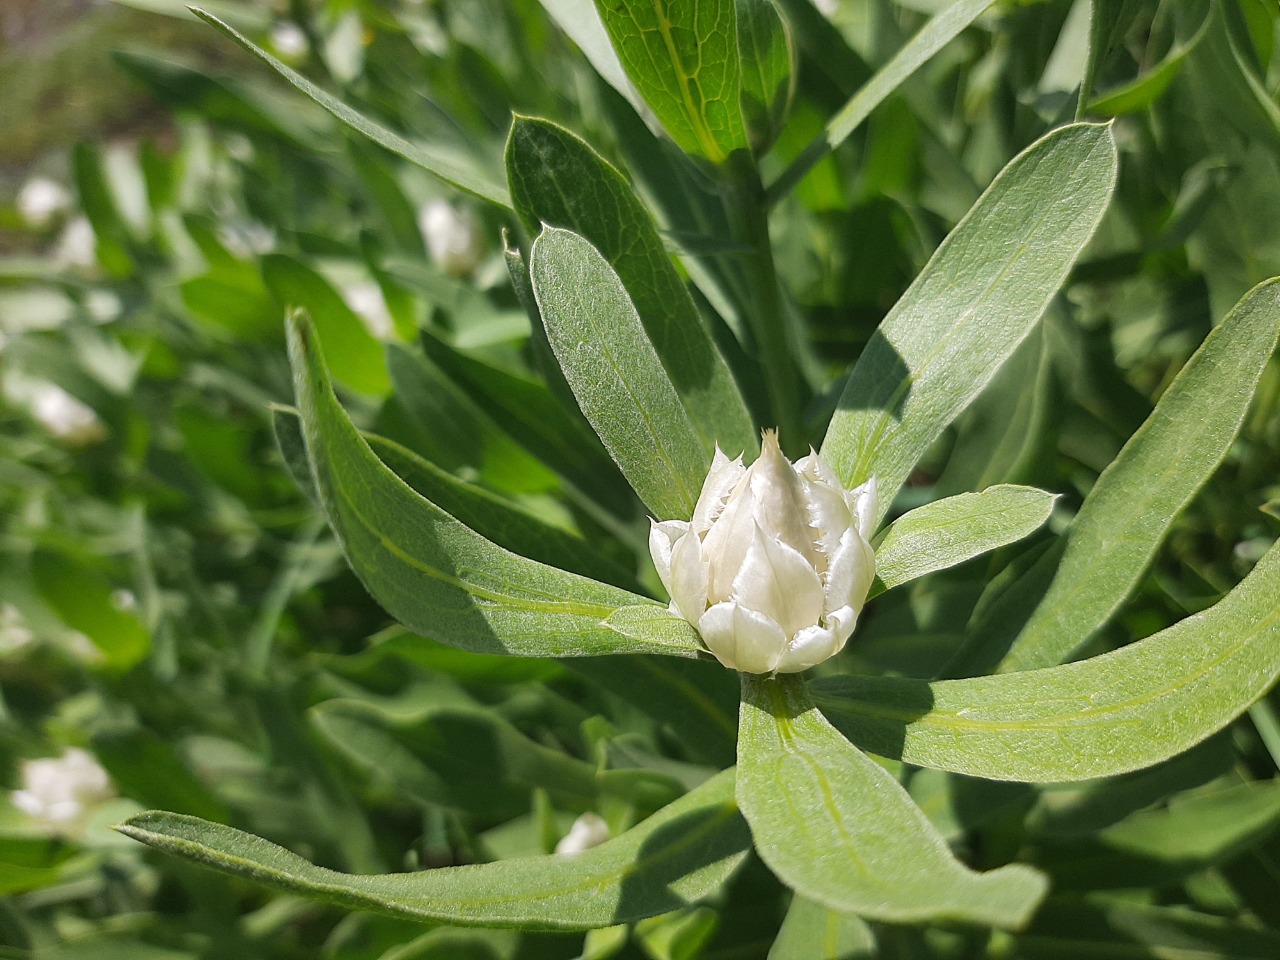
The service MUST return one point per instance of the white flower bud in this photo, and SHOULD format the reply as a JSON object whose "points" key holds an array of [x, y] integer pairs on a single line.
{"points": [[452, 239], [776, 563], [367, 303], [41, 201], [66, 417], [588, 831], [289, 42], [60, 790]]}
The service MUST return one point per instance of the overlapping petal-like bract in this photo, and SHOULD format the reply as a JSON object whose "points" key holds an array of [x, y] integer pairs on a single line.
{"points": [[775, 564]]}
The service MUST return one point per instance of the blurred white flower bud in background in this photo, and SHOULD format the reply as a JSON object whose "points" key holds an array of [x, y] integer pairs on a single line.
{"points": [[67, 418], [776, 563], [78, 245], [14, 632], [367, 303], [41, 201], [289, 41], [588, 831], [61, 790], [452, 237], [246, 239]]}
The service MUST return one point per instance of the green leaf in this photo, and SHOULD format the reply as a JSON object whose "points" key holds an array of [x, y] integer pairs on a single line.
{"points": [[975, 301], [1126, 515], [458, 171], [493, 517], [455, 432], [82, 597], [580, 20], [811, 931], [549, 427], [767, 61], [439, 577], [933, 36], [1142, 91], [617, 378], [951, 531], [838, 828], [1122, 929], [683, 59], [1158, 847], [678, 856], [1117, 712], [558, 180], [357, 355], [471, 760]]}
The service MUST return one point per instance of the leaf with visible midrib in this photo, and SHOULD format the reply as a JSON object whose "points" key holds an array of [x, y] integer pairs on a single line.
{"points": [[558, 180], [948, 532], [680, 855], [838, 828], [974, 302], [620, 384], [444, 580], [1117, 712], [683, 58], [1126, 515]]}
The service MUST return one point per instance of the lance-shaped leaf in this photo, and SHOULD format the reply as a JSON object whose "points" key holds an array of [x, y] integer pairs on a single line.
{"points": [[441, 578], [493, 517], [935, 35], [839, 829], [1114, 929], [947, 532], [1117, 712], [1126, 515], [683, 58], [974, 302], [620, 384], [472, 760], [811, 931], [678, 856], [358, 355], [558, 180], [452, 167]]}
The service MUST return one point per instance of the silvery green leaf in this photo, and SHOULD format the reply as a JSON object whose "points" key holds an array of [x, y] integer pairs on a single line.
{"points": [[1120, 711], [974, 302], [676, 857], [839, 829], [441, 578]]}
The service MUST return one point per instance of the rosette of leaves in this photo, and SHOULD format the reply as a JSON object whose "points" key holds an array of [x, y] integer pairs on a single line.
{"points": [[641, 364]]}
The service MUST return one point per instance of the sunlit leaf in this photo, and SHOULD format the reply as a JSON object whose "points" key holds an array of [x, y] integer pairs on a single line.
{"points": [[678, 856], [840, 830]]}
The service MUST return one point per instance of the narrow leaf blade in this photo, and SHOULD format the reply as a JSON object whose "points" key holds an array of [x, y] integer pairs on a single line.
{"points": [[838, 828], [974, 302], [558, 180], [1110, 714], [678, 856], [615, 374], [937, 33], [683, 58], [453, 170], [439, 577], [1126, 515], [951, 531]]}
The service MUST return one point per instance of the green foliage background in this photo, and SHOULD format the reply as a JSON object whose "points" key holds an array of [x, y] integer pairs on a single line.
{"points": [[171, 600]]}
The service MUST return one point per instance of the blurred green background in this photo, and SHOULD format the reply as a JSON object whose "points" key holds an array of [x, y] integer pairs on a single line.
{"points": [[178, 629]]}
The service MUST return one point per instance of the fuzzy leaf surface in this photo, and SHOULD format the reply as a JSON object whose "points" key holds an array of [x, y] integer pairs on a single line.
{"points": [[977, 298]]}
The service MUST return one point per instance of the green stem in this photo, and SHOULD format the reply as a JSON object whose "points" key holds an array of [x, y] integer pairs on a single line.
{"points": [[765, 311]]}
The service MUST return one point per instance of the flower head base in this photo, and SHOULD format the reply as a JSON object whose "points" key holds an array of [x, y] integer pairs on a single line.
{"points": [[775, 564]]}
